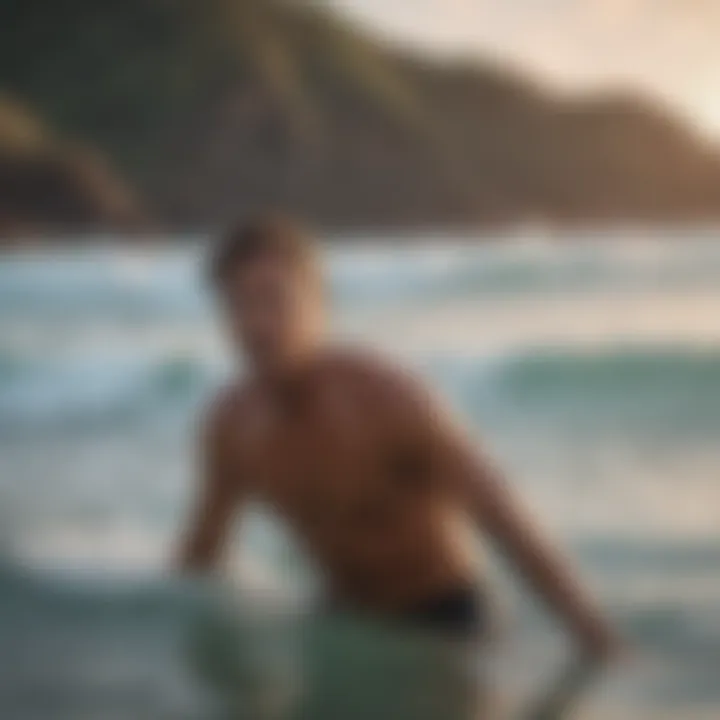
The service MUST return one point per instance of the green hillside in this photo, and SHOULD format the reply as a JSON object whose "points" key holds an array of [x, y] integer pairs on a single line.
{"points": [[47, 184], [210, 109]]}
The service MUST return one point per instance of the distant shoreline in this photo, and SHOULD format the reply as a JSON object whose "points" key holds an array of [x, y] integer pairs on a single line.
{"points": [[576, 232]]}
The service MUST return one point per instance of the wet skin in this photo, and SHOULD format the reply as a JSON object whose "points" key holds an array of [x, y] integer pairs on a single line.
{"points": [[339, 454], [378, 484]]}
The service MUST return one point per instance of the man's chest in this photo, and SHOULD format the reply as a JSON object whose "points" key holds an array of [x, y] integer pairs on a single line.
{"points": [[317, 462]]}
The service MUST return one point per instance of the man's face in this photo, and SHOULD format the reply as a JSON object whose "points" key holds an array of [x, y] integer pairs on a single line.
{"points": [[273, 311]]}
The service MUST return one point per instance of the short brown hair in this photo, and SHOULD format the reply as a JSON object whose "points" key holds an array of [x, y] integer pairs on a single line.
{"points": [[265, 236]]}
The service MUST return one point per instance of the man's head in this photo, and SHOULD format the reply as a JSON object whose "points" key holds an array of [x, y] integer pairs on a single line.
{"points": [[268, 278]]}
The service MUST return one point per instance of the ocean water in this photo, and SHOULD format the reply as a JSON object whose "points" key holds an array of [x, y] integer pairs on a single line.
{"points": [[588, 364]]}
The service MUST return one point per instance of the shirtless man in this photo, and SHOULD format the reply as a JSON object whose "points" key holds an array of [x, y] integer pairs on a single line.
{"points": [[373, 477]]}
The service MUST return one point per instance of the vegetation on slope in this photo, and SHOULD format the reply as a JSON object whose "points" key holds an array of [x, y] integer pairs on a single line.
{"points": [[49, 184], [214, 108]]}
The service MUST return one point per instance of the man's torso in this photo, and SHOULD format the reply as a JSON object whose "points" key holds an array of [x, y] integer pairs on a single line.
{"points": [[372, 511]]}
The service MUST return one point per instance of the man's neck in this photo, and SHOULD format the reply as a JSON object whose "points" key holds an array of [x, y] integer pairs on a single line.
{"points": [[291, 385]]}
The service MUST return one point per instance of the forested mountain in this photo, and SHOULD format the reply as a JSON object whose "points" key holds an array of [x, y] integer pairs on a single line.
{"points": [[211, 109]]}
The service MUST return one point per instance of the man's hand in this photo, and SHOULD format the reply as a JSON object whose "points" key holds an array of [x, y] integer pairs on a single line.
{"points": [[601, 646]]}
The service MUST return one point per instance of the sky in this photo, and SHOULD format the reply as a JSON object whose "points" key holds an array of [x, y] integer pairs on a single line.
{"points": [[666, 48]]}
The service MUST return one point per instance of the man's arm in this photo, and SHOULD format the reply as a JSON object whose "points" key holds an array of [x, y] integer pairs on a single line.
{"points": [[485, 492], [218, 492], [503, 516]]}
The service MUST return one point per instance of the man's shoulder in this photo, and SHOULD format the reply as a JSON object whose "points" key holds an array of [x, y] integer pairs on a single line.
{"points": [[378, 376]]}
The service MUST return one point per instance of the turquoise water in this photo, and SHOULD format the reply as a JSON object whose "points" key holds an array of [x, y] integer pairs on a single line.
{"points": [[591, 369]]}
